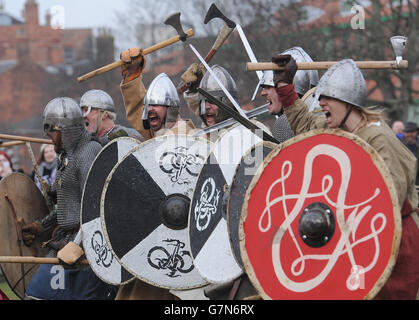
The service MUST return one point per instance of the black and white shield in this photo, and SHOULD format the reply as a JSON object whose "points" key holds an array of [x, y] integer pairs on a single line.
{"points": [[209, 238], [100, 257], [145, 206]]}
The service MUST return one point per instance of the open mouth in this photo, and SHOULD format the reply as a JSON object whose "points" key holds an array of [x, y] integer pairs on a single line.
{"points": [[153, 119], [328, 116], [209, 117]]}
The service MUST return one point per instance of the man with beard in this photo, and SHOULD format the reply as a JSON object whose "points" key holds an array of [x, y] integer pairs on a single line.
{"points": [[159, 111], [209, 113], [99, 117], [152, 113], [63, 123]]}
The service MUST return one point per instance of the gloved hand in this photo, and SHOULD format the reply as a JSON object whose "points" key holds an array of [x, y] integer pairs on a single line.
{"points": [[134, 63], [29, 232], [117, 134], [70, 254], [193, 75], [286, 75]]}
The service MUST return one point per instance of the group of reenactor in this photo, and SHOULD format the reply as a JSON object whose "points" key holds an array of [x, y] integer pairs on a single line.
{"points": [[79, 130]]}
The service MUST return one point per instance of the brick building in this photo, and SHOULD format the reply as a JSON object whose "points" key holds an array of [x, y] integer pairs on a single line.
{"points": [[39, 63]]}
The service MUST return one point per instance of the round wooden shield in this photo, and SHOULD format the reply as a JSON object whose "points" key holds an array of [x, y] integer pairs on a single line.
{"points": [[21, 203], [100, 257], [321, 220], [245, 172], [144, 210], [209, 238]]}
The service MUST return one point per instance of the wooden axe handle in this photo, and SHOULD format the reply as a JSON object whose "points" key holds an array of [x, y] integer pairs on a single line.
{"points": [[34, 260], [11, 144], [324, 65], [26, 139], [222, 36], [146, 51]]}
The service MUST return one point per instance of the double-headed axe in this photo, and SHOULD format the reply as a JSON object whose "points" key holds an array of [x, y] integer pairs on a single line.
{"points": [[173, 20], [213, 12], [398, 43]]}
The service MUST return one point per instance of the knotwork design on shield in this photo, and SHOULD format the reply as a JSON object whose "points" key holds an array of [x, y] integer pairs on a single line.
{"points": [[175, 260], [96, 249], [175, 162], [206, 206], [104, 255], [144, 209], [314, 227]]}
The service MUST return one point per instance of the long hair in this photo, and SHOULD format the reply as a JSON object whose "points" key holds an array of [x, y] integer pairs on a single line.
{"points": [[372, 114], [41, 157]]}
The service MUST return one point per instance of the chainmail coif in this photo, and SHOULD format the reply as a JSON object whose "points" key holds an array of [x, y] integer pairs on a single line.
{"points": [[73, 166]]}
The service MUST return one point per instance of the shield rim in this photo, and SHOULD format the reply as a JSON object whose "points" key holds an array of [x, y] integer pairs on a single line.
{"points": [[81, 206], [306, 96], [43, 252], [102, 219], [260, 144], [308, 93], [221, 133], [385, 173]]}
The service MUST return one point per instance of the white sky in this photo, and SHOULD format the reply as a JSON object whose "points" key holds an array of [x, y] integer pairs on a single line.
{"points": [[77, 13]]}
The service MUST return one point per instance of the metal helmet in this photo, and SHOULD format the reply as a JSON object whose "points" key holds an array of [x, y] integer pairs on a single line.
{"points": [[161, 92], [303, 81], [267, 79], [209, 84], [61, 113], [97, 99], [343, 81]]}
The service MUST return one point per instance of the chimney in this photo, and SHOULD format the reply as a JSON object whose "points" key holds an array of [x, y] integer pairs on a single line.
{"points": [[48, 19], [31, 12], [105, 46]]}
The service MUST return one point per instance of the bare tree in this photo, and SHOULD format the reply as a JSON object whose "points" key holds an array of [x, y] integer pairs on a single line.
{"points": [[322, 28]]}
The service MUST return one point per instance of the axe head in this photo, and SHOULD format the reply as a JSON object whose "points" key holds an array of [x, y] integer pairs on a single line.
{"points": [[174, 21], [398, 43], [214, 12]]}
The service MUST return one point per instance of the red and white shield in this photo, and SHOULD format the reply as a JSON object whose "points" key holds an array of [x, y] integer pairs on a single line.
{"points": [[321, 220]]}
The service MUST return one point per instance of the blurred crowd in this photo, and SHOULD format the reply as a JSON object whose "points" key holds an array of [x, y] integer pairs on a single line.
{"points": [[46, 165], [408, 134]]}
